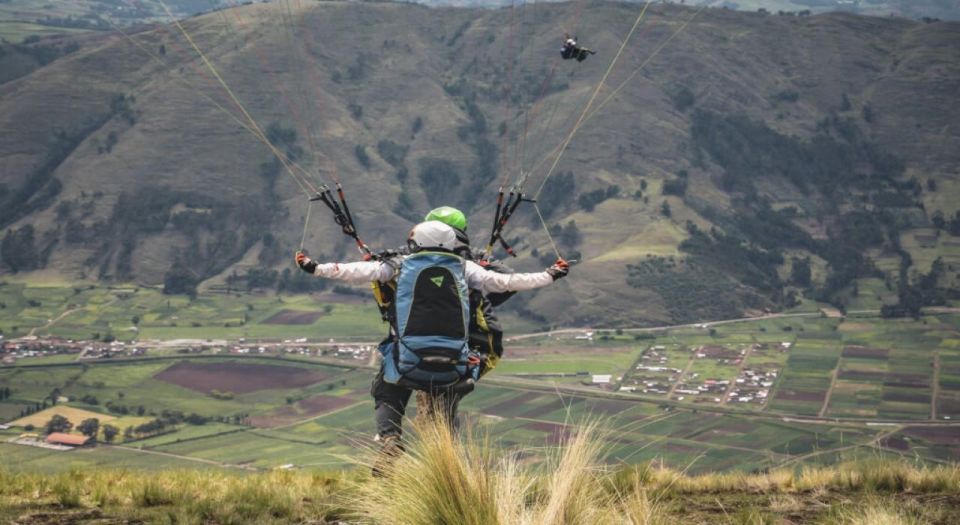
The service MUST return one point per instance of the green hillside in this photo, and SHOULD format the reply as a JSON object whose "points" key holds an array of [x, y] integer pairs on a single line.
{"points": [[754, 162]]}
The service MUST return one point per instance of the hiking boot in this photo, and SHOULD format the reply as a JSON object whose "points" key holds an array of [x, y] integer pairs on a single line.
{"points": [[391, 449]]}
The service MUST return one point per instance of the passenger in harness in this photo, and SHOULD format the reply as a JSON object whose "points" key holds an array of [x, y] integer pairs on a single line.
{"points": [[485, 333], [485, 337], [428, 347]]}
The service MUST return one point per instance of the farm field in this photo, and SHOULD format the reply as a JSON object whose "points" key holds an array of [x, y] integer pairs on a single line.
{"points": [[557, 359], [187, 433], [73, 415], [33, 459], [857, 367], [266, 412], [16, 31], [129, 313]]}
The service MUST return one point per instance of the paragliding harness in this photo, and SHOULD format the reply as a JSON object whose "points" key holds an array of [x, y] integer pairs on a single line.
{"points": [[449, 335], [486, 334], [427, 348]]}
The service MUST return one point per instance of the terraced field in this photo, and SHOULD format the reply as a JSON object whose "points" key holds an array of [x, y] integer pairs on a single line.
{"points": [[835, 389]]}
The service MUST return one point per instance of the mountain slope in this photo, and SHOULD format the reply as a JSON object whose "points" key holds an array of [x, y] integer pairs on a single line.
{"points": [[777, 140]]}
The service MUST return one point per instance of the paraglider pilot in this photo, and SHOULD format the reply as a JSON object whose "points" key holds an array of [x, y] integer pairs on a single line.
{"points": [[571, 49]]}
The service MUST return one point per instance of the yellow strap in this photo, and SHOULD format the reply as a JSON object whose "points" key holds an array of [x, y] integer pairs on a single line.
{"points": [[481, 319]]}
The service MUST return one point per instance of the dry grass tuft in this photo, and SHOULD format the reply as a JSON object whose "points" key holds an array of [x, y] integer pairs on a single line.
{"points": [[445, 480], [194, 496], [879, 512], [471, 481]]}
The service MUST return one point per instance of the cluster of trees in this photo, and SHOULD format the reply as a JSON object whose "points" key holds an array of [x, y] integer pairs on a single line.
{"points": [[57, 423], [88, 427], [952, 226], [773, 231], [677, 186], [110, 433], [93, 22], [912, 295], [287, 280], [556, 195], [180, 279], [44, 52], [218, 229], [475, 134], [122, 106], [567, 236], [838, 165], [4, 393], [682, 98], [34, 408], [362, 157], [40, 188], [394, 154], [154, 426], [690, 290], [166, 421], [90, 399], [18, 250], [736, 257], [439, 179], [837, 158], [588, 201], [800, 274], [235, 225], [117, 408]]}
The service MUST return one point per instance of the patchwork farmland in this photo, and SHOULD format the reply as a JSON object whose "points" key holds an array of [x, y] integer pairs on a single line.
{"points": [[743, 396], [238, 377]]}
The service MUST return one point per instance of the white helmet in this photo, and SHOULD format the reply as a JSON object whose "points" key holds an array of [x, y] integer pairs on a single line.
{"points": [[435, 235]]}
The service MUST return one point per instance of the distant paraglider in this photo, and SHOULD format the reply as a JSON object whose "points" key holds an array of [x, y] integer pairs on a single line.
{"points": [[571, 49]]}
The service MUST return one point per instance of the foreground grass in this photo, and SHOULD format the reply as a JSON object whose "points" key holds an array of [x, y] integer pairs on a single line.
{"points": [[468, 481]]}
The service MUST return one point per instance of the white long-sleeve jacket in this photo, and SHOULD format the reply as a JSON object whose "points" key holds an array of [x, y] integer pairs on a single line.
{"points": [[477, 278]]}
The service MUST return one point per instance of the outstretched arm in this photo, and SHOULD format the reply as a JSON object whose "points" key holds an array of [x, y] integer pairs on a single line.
{"points": [[492, 282], [354, 272]]}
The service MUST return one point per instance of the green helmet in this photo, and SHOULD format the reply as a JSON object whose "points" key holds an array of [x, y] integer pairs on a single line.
{"points": [[449, 216]]}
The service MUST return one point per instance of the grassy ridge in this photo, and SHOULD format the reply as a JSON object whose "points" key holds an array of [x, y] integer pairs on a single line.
{"points": [[447, 480]]}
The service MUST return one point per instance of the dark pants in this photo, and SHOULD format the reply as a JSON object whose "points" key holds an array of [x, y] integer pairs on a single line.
{"points": [[390, 405]]}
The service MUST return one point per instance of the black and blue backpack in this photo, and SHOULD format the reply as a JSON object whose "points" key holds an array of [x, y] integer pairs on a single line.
{"points": [[428, 346]]}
